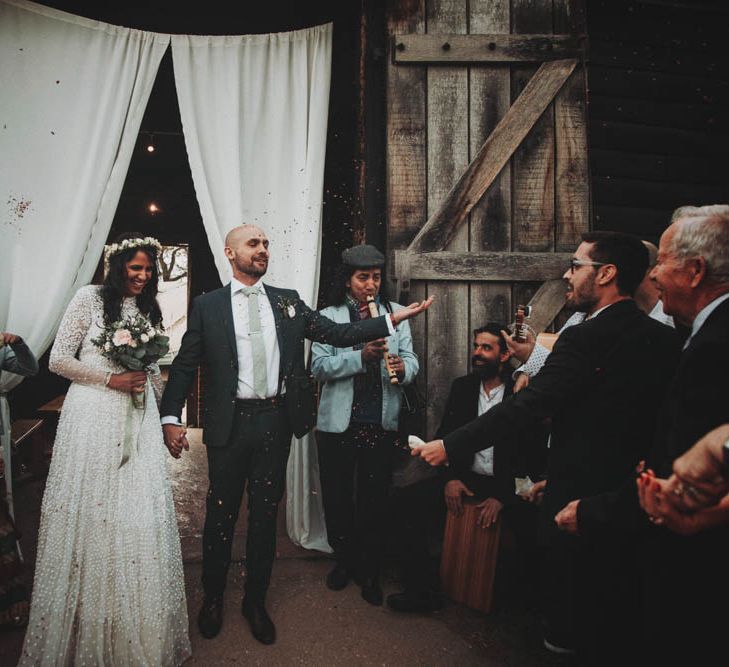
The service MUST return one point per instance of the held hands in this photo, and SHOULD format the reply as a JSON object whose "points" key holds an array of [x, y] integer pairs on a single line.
{"points": [[175, 439], [130, 381], [454, 491], [566, 518], [7, 338], [659, 500], [411, 311], [698, 480], [433, 452]]}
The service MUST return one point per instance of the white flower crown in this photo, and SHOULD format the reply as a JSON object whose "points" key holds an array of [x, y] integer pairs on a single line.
{"points": [[147, 241]]}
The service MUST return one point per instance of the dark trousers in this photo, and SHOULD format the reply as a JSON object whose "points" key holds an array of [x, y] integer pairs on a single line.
{"points": [[254, 457], [355, 468]]}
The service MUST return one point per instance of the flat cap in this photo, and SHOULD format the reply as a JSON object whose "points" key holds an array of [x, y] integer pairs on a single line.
{"points": [[363, 257]]}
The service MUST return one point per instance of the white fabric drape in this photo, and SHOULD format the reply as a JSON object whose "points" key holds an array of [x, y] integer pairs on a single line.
{"points": [[73, 93], [254, 115]]}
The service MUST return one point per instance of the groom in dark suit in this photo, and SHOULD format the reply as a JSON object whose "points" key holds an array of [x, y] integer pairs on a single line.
{"points": [[250, 338], [602, 386]]}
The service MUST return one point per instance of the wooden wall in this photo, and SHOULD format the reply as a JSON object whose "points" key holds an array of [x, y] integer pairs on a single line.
{"points": [[658, 90], [438, 116]]}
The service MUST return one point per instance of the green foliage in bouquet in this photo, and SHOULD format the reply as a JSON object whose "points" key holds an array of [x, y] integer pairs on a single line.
{"points": [[133, 343]]}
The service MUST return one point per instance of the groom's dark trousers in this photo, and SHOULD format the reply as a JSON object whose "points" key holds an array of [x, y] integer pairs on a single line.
{"points": [[257, 452], [248, 440]]}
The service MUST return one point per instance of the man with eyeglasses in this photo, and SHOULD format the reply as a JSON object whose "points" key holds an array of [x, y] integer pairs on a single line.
{"points": [[533, 355], [601, 387]]}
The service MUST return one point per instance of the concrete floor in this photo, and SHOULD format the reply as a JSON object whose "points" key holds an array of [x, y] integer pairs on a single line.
{"points": [[315, 626]]}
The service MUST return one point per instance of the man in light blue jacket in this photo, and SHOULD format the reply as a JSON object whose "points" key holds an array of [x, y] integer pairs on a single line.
{"points": [[357, 422]]}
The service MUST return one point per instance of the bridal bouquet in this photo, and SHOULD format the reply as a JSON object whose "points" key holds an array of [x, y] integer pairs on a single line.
{"points": [[134, 344]]}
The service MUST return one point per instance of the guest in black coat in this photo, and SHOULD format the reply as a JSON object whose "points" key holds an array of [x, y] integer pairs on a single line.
{"points": [[601, 386], [686, 557], [480, 475]]}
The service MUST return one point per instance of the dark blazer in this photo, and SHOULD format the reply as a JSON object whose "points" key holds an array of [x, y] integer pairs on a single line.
{"points": [[685, 575], [601, 386], [462, 408], [210, 340]]}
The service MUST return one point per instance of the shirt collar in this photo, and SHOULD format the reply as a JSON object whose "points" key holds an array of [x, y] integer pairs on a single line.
{"points": [[597, 312], [495, 392], [704, 315], [237, 286]]}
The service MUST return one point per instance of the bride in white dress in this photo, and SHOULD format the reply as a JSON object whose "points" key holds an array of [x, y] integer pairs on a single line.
{"points": [[109, 586]]}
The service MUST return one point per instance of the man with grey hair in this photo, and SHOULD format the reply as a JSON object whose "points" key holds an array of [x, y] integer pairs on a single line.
{"points": [[686, 572]]}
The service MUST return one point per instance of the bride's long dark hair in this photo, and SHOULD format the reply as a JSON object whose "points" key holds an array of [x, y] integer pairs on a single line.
{"points": [[113, 290]]}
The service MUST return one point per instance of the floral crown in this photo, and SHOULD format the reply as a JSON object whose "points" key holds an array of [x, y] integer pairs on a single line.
{"points": [[126, 244]]}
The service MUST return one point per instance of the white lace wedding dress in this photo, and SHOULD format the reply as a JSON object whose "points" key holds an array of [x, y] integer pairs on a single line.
{"points": [[109, 586]]}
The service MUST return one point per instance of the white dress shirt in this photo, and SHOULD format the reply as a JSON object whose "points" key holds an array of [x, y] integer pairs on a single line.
{"points": [[239, 303], [483, 461]]}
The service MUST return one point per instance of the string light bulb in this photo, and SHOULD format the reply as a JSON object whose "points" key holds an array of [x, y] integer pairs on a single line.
{"points": [[153, 208], [150, 144]]}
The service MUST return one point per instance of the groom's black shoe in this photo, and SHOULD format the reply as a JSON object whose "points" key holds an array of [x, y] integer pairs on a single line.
{"points": [[210, 618], [261, 624]]}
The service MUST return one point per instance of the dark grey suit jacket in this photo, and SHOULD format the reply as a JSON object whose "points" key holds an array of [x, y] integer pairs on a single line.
{"points": [[210, 341]]}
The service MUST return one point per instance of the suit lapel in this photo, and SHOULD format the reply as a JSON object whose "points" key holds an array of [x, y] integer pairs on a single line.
{"points": [[226, 311]]}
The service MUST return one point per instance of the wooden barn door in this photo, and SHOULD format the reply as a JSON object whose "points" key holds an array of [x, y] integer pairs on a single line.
{"points": [[487, 177]]}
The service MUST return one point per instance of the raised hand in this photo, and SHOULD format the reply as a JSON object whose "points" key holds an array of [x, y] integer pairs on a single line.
{"points": [[520, 351], [411, 311]]}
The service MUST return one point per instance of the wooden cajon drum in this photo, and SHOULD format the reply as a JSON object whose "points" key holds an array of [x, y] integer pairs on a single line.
{"points": [[468, 562]]}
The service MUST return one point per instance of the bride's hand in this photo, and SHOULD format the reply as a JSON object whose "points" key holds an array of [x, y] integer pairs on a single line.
{"points": [[130, 381]]}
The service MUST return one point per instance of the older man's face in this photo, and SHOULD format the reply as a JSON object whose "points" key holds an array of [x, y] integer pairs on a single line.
{"points": [[672, 280]]}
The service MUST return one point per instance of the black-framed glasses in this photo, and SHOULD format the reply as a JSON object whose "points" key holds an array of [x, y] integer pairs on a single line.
{"points": [[577, 263]]}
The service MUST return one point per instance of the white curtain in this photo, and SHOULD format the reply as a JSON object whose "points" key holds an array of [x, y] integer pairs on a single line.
{"points": [[254, 115], [72, 96]]}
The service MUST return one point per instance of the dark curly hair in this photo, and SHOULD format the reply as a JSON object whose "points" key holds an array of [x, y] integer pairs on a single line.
{"points": [[113, 290]]}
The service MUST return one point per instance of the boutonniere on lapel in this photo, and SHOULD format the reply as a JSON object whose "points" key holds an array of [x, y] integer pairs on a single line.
{"points": [[287, 307]]}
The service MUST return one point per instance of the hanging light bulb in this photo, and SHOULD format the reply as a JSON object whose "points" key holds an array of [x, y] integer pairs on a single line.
{"points": [[153, 208], [150, 144]]}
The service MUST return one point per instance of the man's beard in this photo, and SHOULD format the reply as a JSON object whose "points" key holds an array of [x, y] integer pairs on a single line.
{"points": [[253, 269], [486, 370]]}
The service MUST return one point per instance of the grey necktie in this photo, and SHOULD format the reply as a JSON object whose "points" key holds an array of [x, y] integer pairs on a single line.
{"points": [[260, 380]]}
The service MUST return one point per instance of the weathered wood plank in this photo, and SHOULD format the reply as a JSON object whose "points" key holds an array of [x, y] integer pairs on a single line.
{"points": [[493, 48], [447, 327], [533, 161], [546, 303], [406, 133], [496, 151], [490, 219], [480, 266], [572, 172]]}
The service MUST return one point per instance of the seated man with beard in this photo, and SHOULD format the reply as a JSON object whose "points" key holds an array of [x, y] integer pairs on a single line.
{"points": [[481, 476]]}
